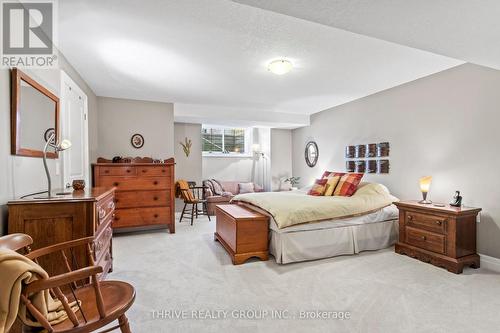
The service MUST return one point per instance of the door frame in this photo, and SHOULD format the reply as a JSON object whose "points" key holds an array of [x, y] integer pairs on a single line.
{"points": [[67, 80]]}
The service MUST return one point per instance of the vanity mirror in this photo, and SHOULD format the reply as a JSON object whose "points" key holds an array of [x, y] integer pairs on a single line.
{"points": [[34, 116]]}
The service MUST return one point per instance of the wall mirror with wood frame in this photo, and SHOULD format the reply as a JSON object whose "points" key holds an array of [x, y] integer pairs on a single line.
{"points": [[34, 116]]}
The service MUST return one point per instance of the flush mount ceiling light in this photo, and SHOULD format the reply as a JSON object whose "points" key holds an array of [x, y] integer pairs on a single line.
{"points": [[280, 66]]}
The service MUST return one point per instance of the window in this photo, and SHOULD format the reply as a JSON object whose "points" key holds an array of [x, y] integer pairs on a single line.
{"points": [[224, 140]]}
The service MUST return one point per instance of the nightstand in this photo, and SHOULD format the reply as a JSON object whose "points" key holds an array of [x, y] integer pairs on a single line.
{"points": [[442, 236]]}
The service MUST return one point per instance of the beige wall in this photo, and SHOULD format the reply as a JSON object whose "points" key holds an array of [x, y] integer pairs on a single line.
{"points": [[22, 175], [281, 157], [188, 168], [119, 119], [445, 125]]}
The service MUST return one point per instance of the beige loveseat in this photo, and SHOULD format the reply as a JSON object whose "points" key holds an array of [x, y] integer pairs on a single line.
{"points": [[230, 189]]}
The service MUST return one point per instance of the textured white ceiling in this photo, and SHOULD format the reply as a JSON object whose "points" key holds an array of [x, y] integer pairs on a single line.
{"points": [[214, 53], [462, 29]]}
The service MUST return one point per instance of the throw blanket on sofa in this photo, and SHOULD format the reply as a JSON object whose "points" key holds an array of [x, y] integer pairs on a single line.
{"points": [[16, 270], [296, 207]]}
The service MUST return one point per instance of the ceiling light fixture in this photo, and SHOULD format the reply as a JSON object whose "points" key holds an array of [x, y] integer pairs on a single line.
{"points": [[280, 66]]}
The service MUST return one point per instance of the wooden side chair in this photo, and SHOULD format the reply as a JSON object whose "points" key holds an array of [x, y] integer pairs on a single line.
{"points": [[102, 302], [194, 196]]}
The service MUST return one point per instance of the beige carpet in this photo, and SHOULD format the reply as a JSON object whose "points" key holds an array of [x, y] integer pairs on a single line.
{"points": [[176, 275]]}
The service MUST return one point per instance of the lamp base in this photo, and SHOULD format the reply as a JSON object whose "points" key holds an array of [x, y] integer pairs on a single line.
{"points": [[425, 202]]}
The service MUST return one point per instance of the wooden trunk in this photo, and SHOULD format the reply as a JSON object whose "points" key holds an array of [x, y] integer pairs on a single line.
{"points": [[243, 232]]}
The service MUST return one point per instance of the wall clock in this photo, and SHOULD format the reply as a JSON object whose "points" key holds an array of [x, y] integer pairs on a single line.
{"points": [[137, 141]]}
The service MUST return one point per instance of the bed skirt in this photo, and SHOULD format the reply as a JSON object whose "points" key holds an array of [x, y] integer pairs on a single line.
{"points": [[302, 245]]}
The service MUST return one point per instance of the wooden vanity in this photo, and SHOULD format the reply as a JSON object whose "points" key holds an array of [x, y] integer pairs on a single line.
{"points": [[63, 218]]}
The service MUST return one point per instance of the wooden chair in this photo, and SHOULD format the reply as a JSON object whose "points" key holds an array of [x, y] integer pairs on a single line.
{"points": [[192, 195], [102, 302]]}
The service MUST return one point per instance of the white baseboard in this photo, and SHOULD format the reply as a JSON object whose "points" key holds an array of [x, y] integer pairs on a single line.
{"points": [[491, 263]]}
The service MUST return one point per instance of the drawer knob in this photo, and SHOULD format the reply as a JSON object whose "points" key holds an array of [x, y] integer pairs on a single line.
{"points": [[156, 215], [155, 182], [423, 238], [155, 198], [128, 170], [410, 217], [439, 222], [144, 170], [106, 171], [117, 218], [163, 170], [115, 184]]}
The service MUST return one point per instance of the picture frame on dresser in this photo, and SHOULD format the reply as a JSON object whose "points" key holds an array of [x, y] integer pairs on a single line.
{"points": [[144, 191]]}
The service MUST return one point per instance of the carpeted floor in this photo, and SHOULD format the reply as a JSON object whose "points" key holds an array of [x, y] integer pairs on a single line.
{"points": [[180, 278]]}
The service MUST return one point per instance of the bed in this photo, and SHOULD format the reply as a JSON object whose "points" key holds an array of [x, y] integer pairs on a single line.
{"points": [[369, 224]]}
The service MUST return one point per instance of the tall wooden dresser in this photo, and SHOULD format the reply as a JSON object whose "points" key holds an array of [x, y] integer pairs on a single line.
{"points": [[144, 191], [64, 218]]}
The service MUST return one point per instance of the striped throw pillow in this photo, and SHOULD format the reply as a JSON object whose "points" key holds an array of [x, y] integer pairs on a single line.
{"points": [[327, 174], [348, 184], [331, 184], [319, 188]]}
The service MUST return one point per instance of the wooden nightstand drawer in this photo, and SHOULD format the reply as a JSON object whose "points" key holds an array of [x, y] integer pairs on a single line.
{"points": [[426, 221], [425, 240]]}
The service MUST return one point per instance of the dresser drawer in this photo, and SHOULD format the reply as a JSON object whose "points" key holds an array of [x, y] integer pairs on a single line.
{"points": [[133, 217], [148, 171], [133, 183], [425, 240], [117, 171], [105, 209], [102, 242], [426, 221], [106, 262], [136, 199]]}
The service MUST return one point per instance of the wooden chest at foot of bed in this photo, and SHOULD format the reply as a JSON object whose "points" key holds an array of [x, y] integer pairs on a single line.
{"points": [[244, 233], [443, 236]]}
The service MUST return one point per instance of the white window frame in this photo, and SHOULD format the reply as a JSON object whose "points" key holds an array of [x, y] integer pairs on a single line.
{"points": [[248, 143]]}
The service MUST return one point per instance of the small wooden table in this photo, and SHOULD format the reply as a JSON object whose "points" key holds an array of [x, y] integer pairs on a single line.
{"points": [[244, 233], [443, 236]]}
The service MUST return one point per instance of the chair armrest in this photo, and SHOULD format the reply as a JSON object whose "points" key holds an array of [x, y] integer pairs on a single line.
{"points": [[58, 247], [15, 242], [62, 279]]}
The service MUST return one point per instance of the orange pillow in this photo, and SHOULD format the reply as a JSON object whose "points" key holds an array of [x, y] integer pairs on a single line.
{"points": [[348, 184], [319, 187], [327, 174], [331, 184]]}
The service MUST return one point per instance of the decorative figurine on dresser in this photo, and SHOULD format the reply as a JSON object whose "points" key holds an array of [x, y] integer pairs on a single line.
{"points": [[442, 235], [144, 190], [63, 218]]}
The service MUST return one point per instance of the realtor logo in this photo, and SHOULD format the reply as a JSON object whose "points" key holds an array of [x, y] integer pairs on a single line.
{"points": [[28, 34]]}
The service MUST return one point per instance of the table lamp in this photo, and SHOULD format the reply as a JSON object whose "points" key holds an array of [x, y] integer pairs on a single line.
{"points": [[425, 184], [63, 145]]}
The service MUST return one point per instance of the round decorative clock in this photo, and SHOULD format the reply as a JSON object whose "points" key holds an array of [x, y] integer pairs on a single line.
{"points": [[137, 141]]}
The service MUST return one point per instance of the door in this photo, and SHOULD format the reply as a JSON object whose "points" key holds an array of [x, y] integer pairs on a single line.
{"points": [[74, 117]]}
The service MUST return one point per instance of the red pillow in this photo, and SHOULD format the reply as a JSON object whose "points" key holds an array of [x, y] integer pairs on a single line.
{"points": [[348, 184], [319, 187], [327, 174]]}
